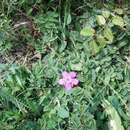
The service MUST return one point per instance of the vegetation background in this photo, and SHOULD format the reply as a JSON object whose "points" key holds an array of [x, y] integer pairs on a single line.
{"points": [[39, 39]]}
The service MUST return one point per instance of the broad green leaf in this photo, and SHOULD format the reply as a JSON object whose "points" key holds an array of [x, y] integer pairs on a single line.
{"points": [[63, 113], [87, 31], [101, 20], [101, 40], [114, 118], [94, 47], [117, 20], [119, 11], [106, 13], [108, 34]]}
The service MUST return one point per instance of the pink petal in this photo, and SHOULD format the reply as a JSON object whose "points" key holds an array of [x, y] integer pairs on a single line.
{"points": [[65, 74], [61, 81], [72, 74], [68, 86], [75, 81]]}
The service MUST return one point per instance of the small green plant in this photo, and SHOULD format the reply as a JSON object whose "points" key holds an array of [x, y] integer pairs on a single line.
{"points": [[70, 69], [6, 34], [102, 31]]}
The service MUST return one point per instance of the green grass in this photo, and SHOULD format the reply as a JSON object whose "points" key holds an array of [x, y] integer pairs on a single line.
{"points": [[39, 39]]}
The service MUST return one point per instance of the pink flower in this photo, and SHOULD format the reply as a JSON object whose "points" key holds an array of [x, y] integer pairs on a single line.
{"points": [[68, 80]]}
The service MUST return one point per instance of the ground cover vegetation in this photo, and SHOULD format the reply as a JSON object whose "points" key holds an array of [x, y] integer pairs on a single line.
{"points": [[64, 65]]}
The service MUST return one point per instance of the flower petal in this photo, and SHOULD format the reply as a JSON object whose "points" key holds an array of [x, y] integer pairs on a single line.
{"points": [[72, 74], [61, 81], [75, 82], [68, 86], [65, 74]]}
